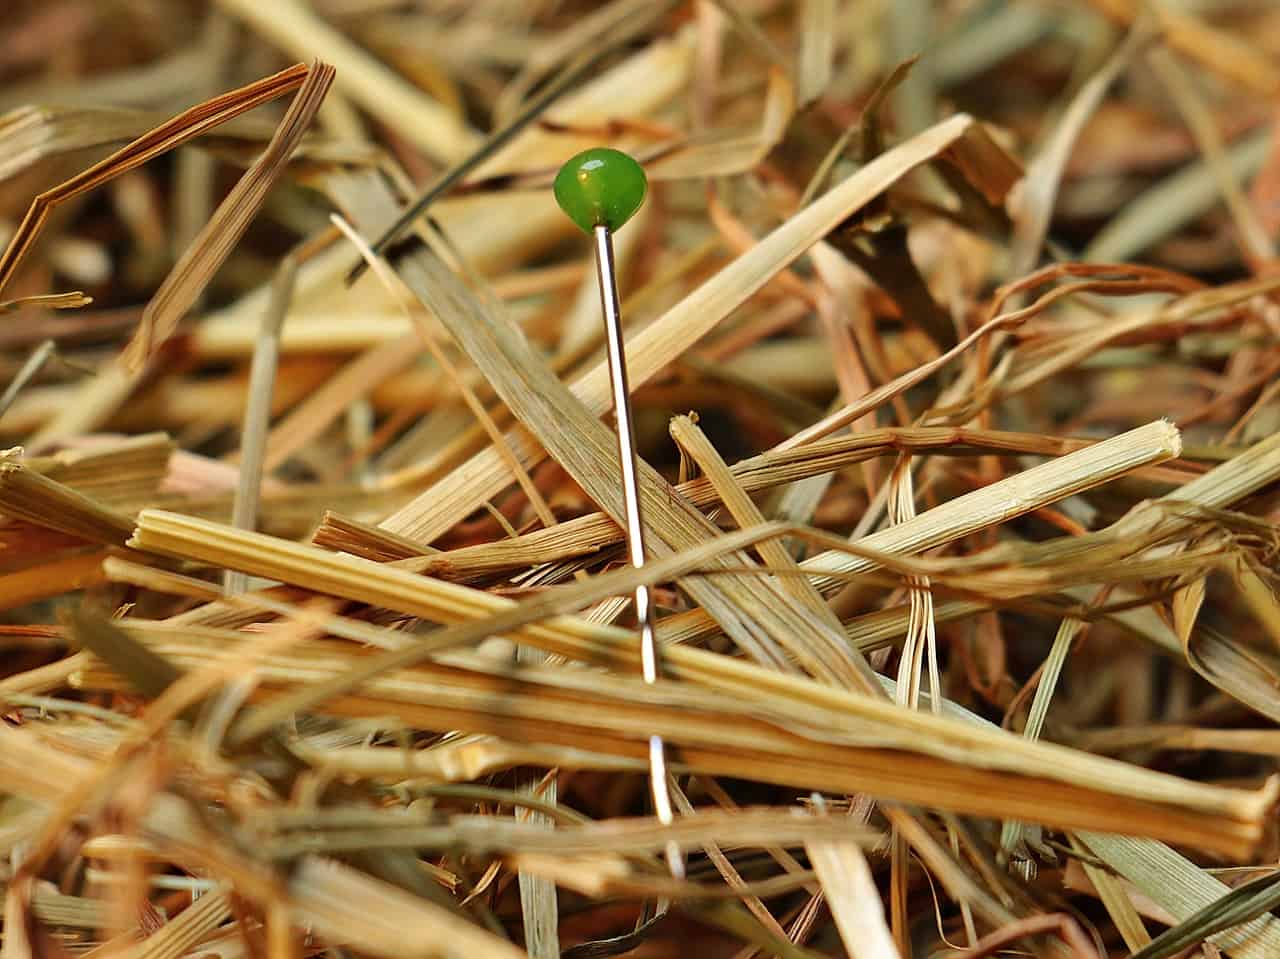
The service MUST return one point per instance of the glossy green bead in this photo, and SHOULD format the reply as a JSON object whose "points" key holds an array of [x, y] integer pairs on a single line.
{"points": [[600, 187]]}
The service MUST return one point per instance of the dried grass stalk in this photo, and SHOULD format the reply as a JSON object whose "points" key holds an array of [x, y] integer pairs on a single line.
{"points": [[435, 599], [994, 504], [211, 247], [27, 495], [163, 138], [423, 121], [351, 908]]}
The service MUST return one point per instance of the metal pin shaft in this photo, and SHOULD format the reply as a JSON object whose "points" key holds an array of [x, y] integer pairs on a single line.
{"points": [[635, 525]]}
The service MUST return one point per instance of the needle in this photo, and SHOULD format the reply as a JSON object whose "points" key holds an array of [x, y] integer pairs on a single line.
{"points": [[600, 190]]}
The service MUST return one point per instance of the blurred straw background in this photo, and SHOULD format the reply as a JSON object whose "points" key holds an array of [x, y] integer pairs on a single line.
{"points": [[952, 331]]}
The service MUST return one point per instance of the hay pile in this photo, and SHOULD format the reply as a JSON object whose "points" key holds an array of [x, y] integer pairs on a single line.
{"points": [[952, 332]]}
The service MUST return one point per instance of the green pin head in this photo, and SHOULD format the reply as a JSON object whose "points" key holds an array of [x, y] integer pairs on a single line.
{"points": [[600, 187]]}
